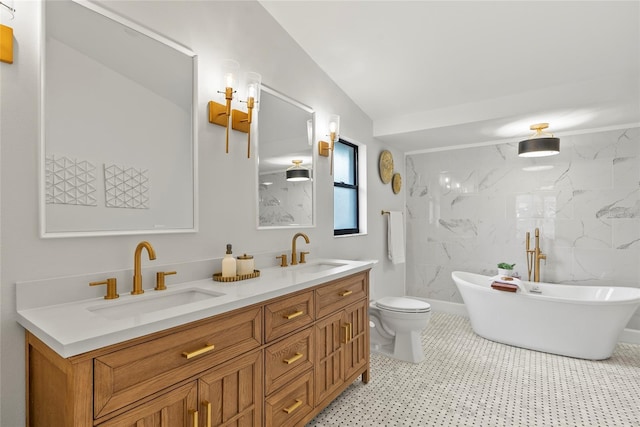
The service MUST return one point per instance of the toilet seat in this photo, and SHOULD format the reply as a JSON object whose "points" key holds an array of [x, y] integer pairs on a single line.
{"points": [[403, 305]]}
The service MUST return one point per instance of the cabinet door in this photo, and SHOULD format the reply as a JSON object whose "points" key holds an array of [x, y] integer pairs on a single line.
{"points": [[231, 394], [356, 350], [330, 334], [176, 408]]}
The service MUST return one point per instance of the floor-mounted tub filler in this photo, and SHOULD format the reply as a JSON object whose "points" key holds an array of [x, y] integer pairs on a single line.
{"points": [[570, 320]]}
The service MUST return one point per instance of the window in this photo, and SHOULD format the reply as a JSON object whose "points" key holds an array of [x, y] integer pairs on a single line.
{"points": [[345, 189]]}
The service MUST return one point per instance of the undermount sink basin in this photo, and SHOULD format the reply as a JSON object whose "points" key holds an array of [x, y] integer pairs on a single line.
{"points": [[317, 267], [149, 303]]}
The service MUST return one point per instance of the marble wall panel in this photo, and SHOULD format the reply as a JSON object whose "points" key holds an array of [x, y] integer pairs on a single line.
{"points": [[469, 209]]}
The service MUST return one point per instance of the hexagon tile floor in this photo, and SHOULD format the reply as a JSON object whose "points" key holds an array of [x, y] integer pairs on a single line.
{"points": [[466, 380]]}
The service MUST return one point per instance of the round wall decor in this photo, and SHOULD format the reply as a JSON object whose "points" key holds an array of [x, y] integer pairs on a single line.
{"points": [[397, 183], [386, 166]]}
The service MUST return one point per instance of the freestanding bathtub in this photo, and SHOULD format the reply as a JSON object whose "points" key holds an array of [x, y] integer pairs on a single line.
{"points": [[570, 320]]}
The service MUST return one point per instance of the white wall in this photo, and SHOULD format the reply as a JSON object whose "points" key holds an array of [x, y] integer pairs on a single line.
{"points": [[214, 30], [469, 209]]}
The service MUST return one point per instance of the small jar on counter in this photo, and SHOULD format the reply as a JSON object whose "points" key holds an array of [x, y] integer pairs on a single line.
{"points": [[245, 265]]}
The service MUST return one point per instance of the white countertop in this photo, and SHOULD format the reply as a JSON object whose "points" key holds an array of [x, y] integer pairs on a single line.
{"points": [[72, 328]]}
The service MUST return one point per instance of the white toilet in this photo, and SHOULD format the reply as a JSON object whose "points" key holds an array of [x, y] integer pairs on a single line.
{"points": [[396, 327]]}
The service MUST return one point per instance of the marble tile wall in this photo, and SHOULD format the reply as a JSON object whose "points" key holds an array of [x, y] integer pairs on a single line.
{"points": [[469, 209]]}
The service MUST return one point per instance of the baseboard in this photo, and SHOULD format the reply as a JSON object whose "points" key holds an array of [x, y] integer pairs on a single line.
{"points": [[631, 336]]}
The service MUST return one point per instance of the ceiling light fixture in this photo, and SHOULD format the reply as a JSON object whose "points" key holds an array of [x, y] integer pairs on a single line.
{"points": [[297, 172], [540, 144]]}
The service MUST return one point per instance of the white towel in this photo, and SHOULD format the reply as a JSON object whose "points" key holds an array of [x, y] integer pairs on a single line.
{"points": [[395, 237]]}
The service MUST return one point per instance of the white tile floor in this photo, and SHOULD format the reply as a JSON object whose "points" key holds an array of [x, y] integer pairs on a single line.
{"points": [[469, 381]]}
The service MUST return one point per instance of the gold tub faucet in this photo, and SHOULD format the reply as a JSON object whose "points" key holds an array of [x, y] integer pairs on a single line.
{"points": [[137, 274], [534, 256], [294, 255]]}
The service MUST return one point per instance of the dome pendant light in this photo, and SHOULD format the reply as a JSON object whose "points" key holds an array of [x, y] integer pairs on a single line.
{"points": [[540, 144], [297, 172]]}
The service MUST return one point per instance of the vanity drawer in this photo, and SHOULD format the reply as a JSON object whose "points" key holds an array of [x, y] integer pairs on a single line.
{"points": [[291, 404], [340, 293], [287, 315], [287, 359], [133, 373]]}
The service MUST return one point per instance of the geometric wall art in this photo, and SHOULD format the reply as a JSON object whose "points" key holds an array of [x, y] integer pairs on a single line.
{"points": [[70, 181], [126, 187]]}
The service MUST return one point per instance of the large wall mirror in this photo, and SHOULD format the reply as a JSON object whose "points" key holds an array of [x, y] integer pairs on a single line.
{"points": [[118, 140], [285, 162]]}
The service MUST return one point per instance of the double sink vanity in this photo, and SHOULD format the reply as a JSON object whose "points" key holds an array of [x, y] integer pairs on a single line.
{"points": [[272, 350]]}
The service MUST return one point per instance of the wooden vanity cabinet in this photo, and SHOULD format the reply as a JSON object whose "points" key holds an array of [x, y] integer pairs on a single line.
{"points": [[342, 336], [275, 364], [153, 380]]}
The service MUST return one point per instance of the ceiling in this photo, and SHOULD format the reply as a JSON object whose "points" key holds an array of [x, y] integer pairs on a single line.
{"points": [[434, 74]]}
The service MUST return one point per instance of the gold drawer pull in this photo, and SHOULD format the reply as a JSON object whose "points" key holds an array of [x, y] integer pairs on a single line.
{"points": [[293, 407], [295, 357], [207, 348], [345, 293], [293, 315], [194, 415]]}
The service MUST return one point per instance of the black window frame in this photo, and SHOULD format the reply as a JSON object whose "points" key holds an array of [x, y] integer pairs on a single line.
{"points": [[355, 186]]}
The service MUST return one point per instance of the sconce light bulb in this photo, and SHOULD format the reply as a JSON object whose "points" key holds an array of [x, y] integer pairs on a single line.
{"points": [[228, 80]]}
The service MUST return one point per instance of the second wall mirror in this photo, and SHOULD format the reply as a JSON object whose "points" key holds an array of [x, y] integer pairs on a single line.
{"points": [[286, 189]]}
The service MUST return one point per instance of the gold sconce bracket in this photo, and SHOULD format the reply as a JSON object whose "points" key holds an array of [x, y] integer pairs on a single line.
{"points": [[6, 44], [218, 114], [240, 121], [324, 148]]}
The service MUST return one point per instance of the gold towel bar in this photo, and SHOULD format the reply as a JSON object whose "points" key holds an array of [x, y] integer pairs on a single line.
{"points": [[384, 212]]}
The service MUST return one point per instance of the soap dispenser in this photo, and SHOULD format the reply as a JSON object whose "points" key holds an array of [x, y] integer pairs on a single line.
{"points": [[228, 264]]}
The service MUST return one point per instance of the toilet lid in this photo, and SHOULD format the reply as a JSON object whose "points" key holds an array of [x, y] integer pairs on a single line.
{"points": [[404, 305]]}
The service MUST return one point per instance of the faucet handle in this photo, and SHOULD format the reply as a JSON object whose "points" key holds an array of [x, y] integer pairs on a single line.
{"points": [[302, 256], [283, 260], [112, 287], [160, 275]]}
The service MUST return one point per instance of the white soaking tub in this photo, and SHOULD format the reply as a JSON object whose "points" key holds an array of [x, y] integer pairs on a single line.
{"points": [[570, 320]]}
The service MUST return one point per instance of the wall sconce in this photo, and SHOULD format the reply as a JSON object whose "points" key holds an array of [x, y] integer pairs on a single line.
{"points": [[540, 144], [218, 113], [239, 119], [297, 172], [6, 33], [334, 131]]}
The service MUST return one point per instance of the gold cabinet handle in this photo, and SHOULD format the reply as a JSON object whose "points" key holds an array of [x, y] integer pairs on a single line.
{"points": [[207, 407], [292, 359], [345, 293], [293, 315], [348, 332], [207, 348], [293, 407], [194, 417]]}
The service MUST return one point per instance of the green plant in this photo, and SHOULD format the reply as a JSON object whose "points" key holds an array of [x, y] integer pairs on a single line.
{"points": [[506, 266]]}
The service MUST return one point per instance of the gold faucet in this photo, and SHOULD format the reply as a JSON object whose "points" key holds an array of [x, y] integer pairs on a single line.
{"points": [[294, 255], [137, 275], [534, 256]]}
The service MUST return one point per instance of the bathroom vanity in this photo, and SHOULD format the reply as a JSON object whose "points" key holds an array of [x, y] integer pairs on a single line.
{"points": [[275, 351]]}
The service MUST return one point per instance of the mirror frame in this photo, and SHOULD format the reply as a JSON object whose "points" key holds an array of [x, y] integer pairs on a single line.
{"points": [[283, 97], [42, 146]]}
